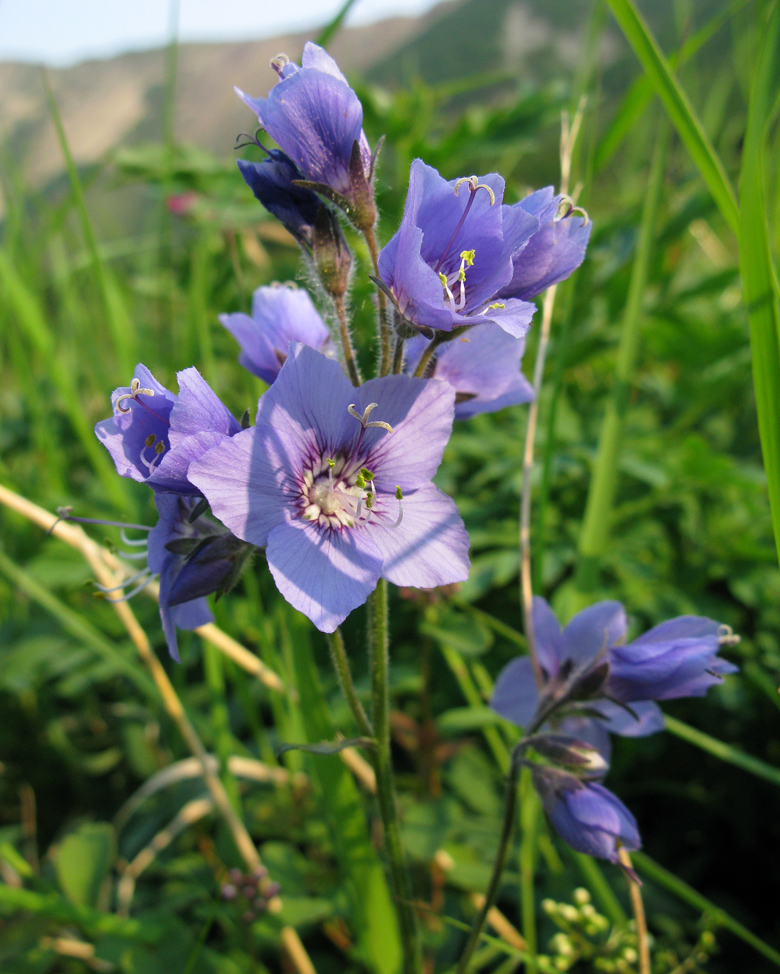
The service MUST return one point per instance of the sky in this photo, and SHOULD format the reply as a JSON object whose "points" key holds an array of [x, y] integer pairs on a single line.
{"points": [[63, 32]]}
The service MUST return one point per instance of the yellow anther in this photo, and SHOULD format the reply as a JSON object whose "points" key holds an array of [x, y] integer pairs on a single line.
{"points": [[399, 493], [370, 501], [150, 439], [160, 448], [498, 304], [468, 256], [331, 463], [366, 473], [443, 279]]}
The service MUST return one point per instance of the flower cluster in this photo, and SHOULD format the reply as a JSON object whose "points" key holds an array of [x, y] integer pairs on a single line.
{"points": [[594, 684]]}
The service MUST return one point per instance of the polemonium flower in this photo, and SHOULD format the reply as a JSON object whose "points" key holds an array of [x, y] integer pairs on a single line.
{"points": [[273, 183], [482, 366], [452, 254], [280, 315], [154, 435], [317, 121], [555, 251], [193, 559], [335, 482], [586, 666], [585, 814]]}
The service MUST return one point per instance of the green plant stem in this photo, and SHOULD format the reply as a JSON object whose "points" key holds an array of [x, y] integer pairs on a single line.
{"points": [[385, 790], [384, 325], [350, 358], [398, 356], [598, 507], [344, 674], [440, 339], [722, 750], [530, 809], [504, 844]]}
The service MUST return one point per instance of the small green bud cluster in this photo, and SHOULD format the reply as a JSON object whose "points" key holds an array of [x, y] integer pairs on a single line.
{"points": [[586, 935], [680, 959]]}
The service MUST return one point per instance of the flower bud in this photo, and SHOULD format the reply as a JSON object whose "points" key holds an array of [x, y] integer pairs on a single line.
{"points": [[577, 755]]}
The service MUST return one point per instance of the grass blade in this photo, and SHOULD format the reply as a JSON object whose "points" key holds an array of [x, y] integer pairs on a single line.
{"points": [[720, 749], [648, 867], [679, 109], [759, 279]]}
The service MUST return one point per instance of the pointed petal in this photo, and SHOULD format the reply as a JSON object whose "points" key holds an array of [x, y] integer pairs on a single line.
{"points": [[594, 630], [547, 633]]}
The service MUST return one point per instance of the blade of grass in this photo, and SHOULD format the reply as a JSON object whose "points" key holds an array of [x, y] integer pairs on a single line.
{"points": [[679, 109], [601, 493], [371, 907], [720, 749], [79, 628], [759, 279], [331, 29], [640, 93], [32, 321], [117, 318], [648, 867]]}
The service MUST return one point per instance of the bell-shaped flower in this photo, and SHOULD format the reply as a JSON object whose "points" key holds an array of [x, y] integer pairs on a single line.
{"points": [[587, 666], [273, 183], [585, 814], [482, 366], [193, 559], [555, 251], [679, 658], [452, 254], [317, 121], [154, 435], [280, 315], [335, 482]]}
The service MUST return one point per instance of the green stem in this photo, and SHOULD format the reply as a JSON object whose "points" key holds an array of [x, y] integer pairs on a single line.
{"points": [[346, 343], [440, 339], [384, 326], [530, 808], [398, 356], [491, 892], [384, 781], [341, 665]]}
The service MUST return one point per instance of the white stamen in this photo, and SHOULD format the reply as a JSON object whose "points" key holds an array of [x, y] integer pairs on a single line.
{"points": [[130, 542], [125, 583]]}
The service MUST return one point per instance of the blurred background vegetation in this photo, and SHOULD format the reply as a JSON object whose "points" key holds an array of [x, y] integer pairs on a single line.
{"points": [[128, 248]]}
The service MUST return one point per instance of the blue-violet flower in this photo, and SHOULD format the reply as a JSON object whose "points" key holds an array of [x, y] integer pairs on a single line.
{"points": [[280, 315], [452, 254], [336, 483]]}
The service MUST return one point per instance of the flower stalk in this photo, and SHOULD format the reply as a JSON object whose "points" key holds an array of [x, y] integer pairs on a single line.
{"points": [[383, 768]]}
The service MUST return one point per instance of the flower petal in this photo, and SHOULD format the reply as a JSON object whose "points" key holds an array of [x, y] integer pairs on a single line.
{"points": [[515, 696], [429, 547], [594, 630], [548, 637], [323, 573]]}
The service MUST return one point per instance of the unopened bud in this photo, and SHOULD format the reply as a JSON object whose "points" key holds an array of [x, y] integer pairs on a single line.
{"points": [[570, 752], [332, 255]]}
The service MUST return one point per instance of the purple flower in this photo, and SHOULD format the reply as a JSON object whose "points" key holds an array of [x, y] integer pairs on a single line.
{"points": [[482, 366], [336, 483], [587, 661], [280, 315], [154, 435], [272, 183], [586, 815], [317, 121], [193, 559], [556, 249], [452, 254], [679, 658]]}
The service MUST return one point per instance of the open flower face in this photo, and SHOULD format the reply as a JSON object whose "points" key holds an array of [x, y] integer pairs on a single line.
{"points": [[453, 253], [316, 119], [336, 483]]}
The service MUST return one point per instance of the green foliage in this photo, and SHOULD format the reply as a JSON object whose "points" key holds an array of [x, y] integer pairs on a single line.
{"points": [[96, 269]]}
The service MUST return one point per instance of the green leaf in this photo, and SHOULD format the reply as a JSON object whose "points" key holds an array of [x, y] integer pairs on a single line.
{"points": [[469, 635], [759, 279], [327, 747], [460, 720], [83, 860], [679, 109]]}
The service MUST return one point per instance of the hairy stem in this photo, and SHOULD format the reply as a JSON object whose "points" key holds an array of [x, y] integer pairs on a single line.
{"points": [[350, 358], [384, 781], [384, 325], [491, 892], [344, 674]]}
